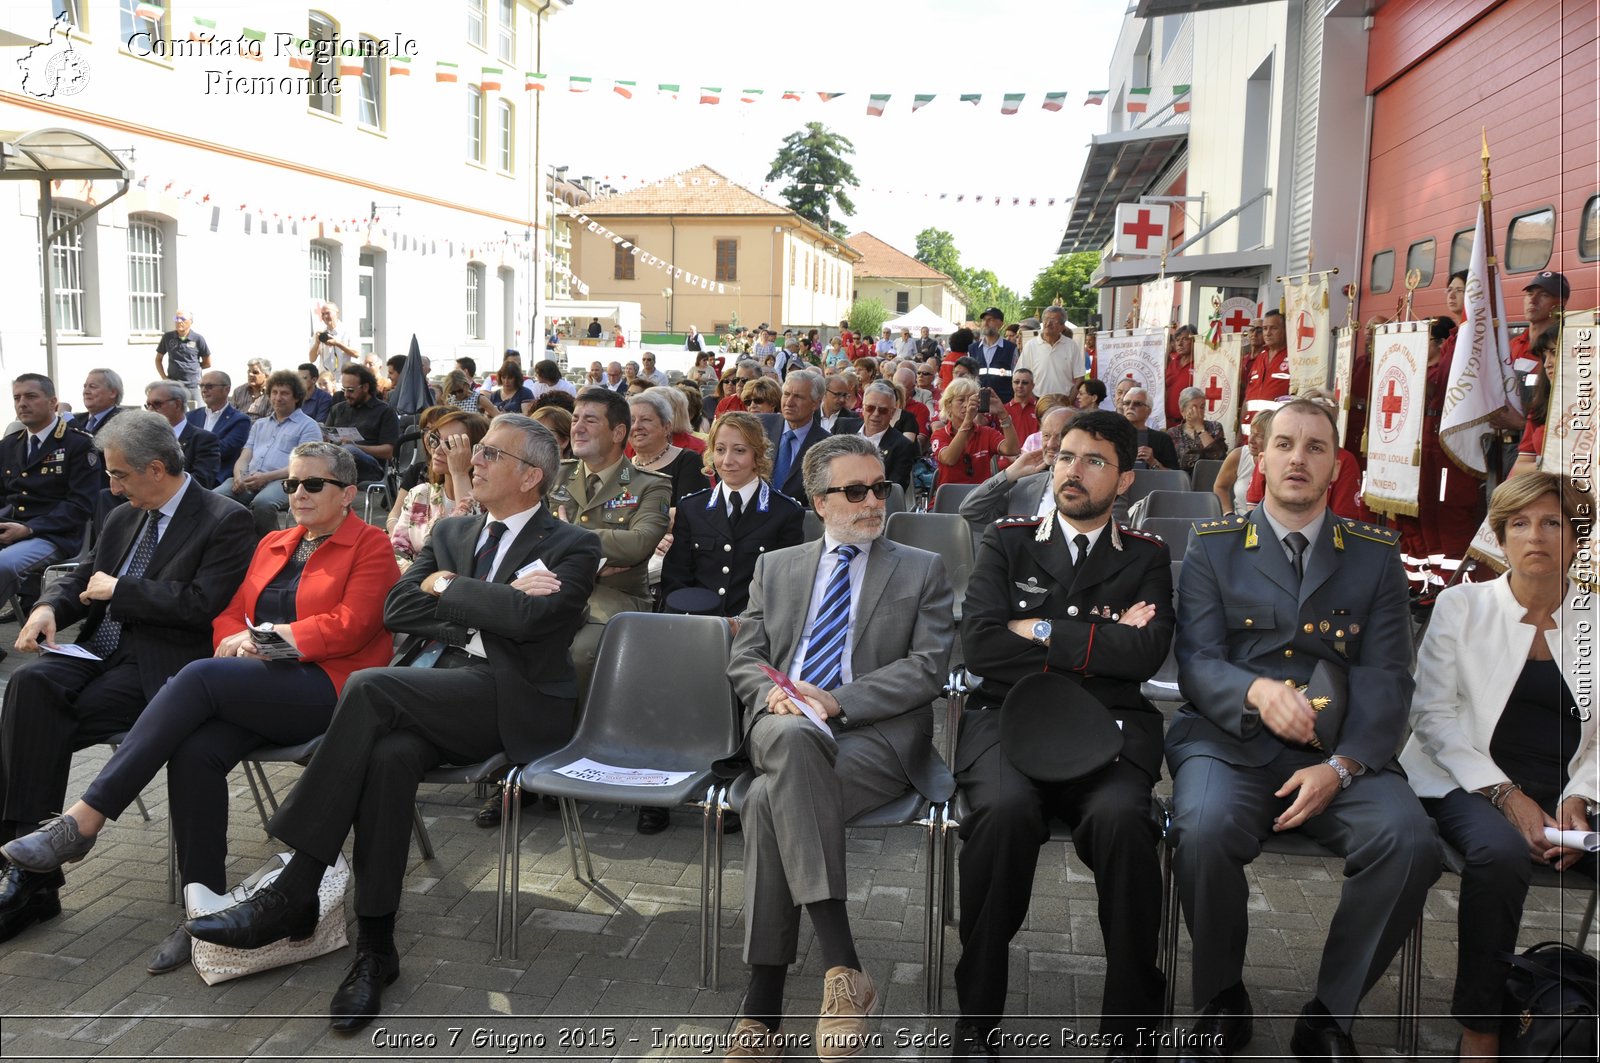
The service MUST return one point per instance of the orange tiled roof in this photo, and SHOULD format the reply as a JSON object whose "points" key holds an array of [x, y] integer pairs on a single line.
{"points": [[879, 259]]}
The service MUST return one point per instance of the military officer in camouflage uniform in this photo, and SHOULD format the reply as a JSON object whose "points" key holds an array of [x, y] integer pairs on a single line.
{"points": [[49, 476]]}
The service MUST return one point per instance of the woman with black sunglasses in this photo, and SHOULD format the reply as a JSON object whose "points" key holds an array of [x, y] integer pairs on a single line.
{"points": [[315, 594]]}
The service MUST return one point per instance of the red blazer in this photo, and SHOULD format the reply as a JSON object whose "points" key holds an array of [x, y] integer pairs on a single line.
{"points": [[339, 601]]}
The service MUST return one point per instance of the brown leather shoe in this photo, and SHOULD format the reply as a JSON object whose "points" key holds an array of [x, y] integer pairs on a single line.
{"points": [[752, 1040], [847, 998]]}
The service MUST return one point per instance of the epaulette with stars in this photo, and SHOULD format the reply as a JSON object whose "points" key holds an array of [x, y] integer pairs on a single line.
{"points": [[1386, 536], [1232, 522], [1018, 522]]}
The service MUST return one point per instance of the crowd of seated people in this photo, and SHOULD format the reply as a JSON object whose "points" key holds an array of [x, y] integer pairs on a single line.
{"points": [[514, 557]]}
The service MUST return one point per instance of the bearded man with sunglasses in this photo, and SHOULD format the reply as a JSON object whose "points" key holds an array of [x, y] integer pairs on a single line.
{"points": [[864, 628], [491, 605]]}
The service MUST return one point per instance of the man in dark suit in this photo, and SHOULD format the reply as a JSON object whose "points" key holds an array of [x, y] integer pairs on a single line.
{"points": [[102, 400], [201, 451], [878, 410], [994, 354], [871, 669], [794, 431], [1263, 600], [1155, 449], [493, 601], [166, 564], [221, 418], [1069, 592], [833, 414]]}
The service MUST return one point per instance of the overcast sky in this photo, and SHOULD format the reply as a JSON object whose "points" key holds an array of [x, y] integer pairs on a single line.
{"points": [[857, 47]]}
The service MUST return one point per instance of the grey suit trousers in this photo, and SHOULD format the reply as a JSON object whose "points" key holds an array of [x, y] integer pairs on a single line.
{"points": [[1223, 811], [807, 788]]}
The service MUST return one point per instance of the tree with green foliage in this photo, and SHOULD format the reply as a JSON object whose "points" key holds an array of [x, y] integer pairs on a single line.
{"points": [[867, 317], [937, 250], [979, 287], [814, 163], [1067, 278], [985, 290]]}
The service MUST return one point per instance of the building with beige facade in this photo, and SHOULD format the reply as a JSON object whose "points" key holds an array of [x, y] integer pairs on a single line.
{"points": [[697, 249], [901, 283]]}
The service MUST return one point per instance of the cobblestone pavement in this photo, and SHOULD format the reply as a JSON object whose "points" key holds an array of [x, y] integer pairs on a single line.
{"points": [[597, 983]]}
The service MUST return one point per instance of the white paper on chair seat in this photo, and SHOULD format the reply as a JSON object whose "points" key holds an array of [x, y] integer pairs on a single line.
{"points": [[1588, 841], [586, 770]]}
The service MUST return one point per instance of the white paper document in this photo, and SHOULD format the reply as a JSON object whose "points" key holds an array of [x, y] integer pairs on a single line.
{"points": [[341, 435], [587, 770], [68, 649], [270, 644], [1587, 840]]}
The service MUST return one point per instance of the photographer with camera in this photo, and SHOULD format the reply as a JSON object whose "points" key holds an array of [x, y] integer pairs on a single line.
{"points": [[331, 346]]}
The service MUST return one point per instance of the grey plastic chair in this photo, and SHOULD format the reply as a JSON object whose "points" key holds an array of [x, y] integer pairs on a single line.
{"points": [[1174, 531], [945, 534], [1203, 477], [1148, 480], [660, 699], [1199, 505], [947, 498]]}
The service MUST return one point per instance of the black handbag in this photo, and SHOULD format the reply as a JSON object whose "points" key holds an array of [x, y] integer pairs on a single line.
{"points": [[1552, 992]]}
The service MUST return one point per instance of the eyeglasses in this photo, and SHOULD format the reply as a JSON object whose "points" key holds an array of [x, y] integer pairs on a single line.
{"points": [[858, 492], [838, 394], [1093, 461], [312, 484], [179, 320], [494, 454]]}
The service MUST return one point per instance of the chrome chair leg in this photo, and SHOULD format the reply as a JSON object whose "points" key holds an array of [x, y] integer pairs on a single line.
{"points": [[508, 838]]}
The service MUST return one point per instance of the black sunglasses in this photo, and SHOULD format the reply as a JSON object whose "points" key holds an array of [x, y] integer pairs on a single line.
{"points": [[313, 484], [858, 492]]}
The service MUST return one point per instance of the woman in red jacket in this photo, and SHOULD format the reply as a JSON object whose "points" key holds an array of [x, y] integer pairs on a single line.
{"points": [[319, 587]]}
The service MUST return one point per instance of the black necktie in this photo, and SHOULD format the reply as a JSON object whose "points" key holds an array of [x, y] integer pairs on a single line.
{"points": [[1081, 542], [109, 634], [35, 444], [483, 562], [736, 500], [1297, 543]]}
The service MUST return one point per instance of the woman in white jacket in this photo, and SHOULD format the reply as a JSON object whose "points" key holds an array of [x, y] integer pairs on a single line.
{"points": [[1503, 739]]}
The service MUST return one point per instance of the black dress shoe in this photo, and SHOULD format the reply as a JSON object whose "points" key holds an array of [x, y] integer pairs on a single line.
{"points": [[359, 997], [1223, 1028], [266, 917], [27, 897], [972, 1041], [488, 816], [655, 820], [1318, 1036], [172, 953]]}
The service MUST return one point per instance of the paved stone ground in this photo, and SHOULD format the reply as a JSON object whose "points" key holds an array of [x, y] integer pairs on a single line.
{"points": [[601, 984]]}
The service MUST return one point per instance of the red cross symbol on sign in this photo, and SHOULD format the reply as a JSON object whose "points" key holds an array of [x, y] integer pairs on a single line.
{"points": [[1213, 395], [1236, 321], [1304, 331], [1142, 230], [1390, 404]]}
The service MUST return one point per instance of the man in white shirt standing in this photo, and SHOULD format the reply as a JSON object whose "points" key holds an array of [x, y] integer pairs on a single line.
{"points": [[1053, 356]]}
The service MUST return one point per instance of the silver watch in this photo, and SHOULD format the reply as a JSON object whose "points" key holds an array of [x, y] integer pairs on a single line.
{"points": [[1041, 631], [1345, 778], [442, 584]]}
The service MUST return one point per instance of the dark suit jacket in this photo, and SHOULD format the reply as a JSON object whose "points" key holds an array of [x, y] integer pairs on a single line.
{"points": [[846, 424], [707, 551], [202, 455], [1161, 446], [232, 431], [166, 615], [1016, 577], [794, 485], [81, 419], [996, 374], [899, 456], [1242, 615], [527, 639]]}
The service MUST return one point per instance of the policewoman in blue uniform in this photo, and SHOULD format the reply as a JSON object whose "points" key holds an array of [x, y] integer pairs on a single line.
{"points": [[49, 476], [720, 532]]}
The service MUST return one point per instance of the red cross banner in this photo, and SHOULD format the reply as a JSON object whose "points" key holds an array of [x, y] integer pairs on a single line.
{"points": [[1237, 314], [1394, 417], [1140, 229], [1140, 355], [1216, 372], [1306, 322], [1155, 303], [1344, 365]]}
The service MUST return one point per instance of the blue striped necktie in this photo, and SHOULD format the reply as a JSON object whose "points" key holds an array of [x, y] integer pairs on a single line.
{"points": [[824, 665]]}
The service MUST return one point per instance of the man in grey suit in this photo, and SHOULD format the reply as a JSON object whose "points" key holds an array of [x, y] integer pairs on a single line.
{"points": [[1023, 487], [1263, 601], [864, 627]]}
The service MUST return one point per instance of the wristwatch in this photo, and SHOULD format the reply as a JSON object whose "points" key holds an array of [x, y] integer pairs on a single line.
{"points": [[1345, 778], [1041, 632], [441, 585]]}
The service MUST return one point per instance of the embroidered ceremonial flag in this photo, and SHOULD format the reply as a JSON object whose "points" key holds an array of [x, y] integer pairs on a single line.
{"points": [[1139, 355], [1344, 361], [920, 101], [624, 88], [254, 50], [532, 81], [1306, 319], [1394, 417], [791, 94], [300, 57], [876, 103], [1139, 100], [1054, 101], [1012, 103], [153, 12], [974, 98], [710, 95], [664, 89], [202, 28], [445, 73], [400, 66], [1216, 374], [491, 78], [750, 95], [1180, 99], [1096, 97], [1481, 379], [578, 84]]}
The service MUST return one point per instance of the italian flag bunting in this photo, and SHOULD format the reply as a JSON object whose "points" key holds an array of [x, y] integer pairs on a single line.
{"points": [[259, 38], [750, 95], [444, 72], [710, 95], [1139, 100], [1096, 97], [1012, 103], [920, 101], [791, 94], [578, 84], [491, 78], [202, 28], [624, 88], [667, 90], [351, 65], [827, 96], [876, 103], [974, 98], [399, 66], [532, 81], [1180, 99], [1054, 101], [152, 12]]}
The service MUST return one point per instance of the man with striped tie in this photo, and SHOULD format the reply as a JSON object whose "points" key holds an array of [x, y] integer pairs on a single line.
{"points": [[864, 628]]}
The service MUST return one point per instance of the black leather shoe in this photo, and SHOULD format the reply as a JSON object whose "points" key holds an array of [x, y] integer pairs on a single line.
{"points": [[971, 1041], [656, 820], [1223, 1028], [172, 953], [264, 918], [488, 816], [1318, 1036], [731, 823], [359, 997], [27, 897]]}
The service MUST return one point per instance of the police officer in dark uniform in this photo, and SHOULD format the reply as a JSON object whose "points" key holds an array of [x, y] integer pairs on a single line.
{"points": [[720, 532], [49, 476], [1073, 593], [994, 354]]}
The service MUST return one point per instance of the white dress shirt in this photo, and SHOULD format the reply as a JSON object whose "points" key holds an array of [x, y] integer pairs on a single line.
{"points": [[514, 525]]}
